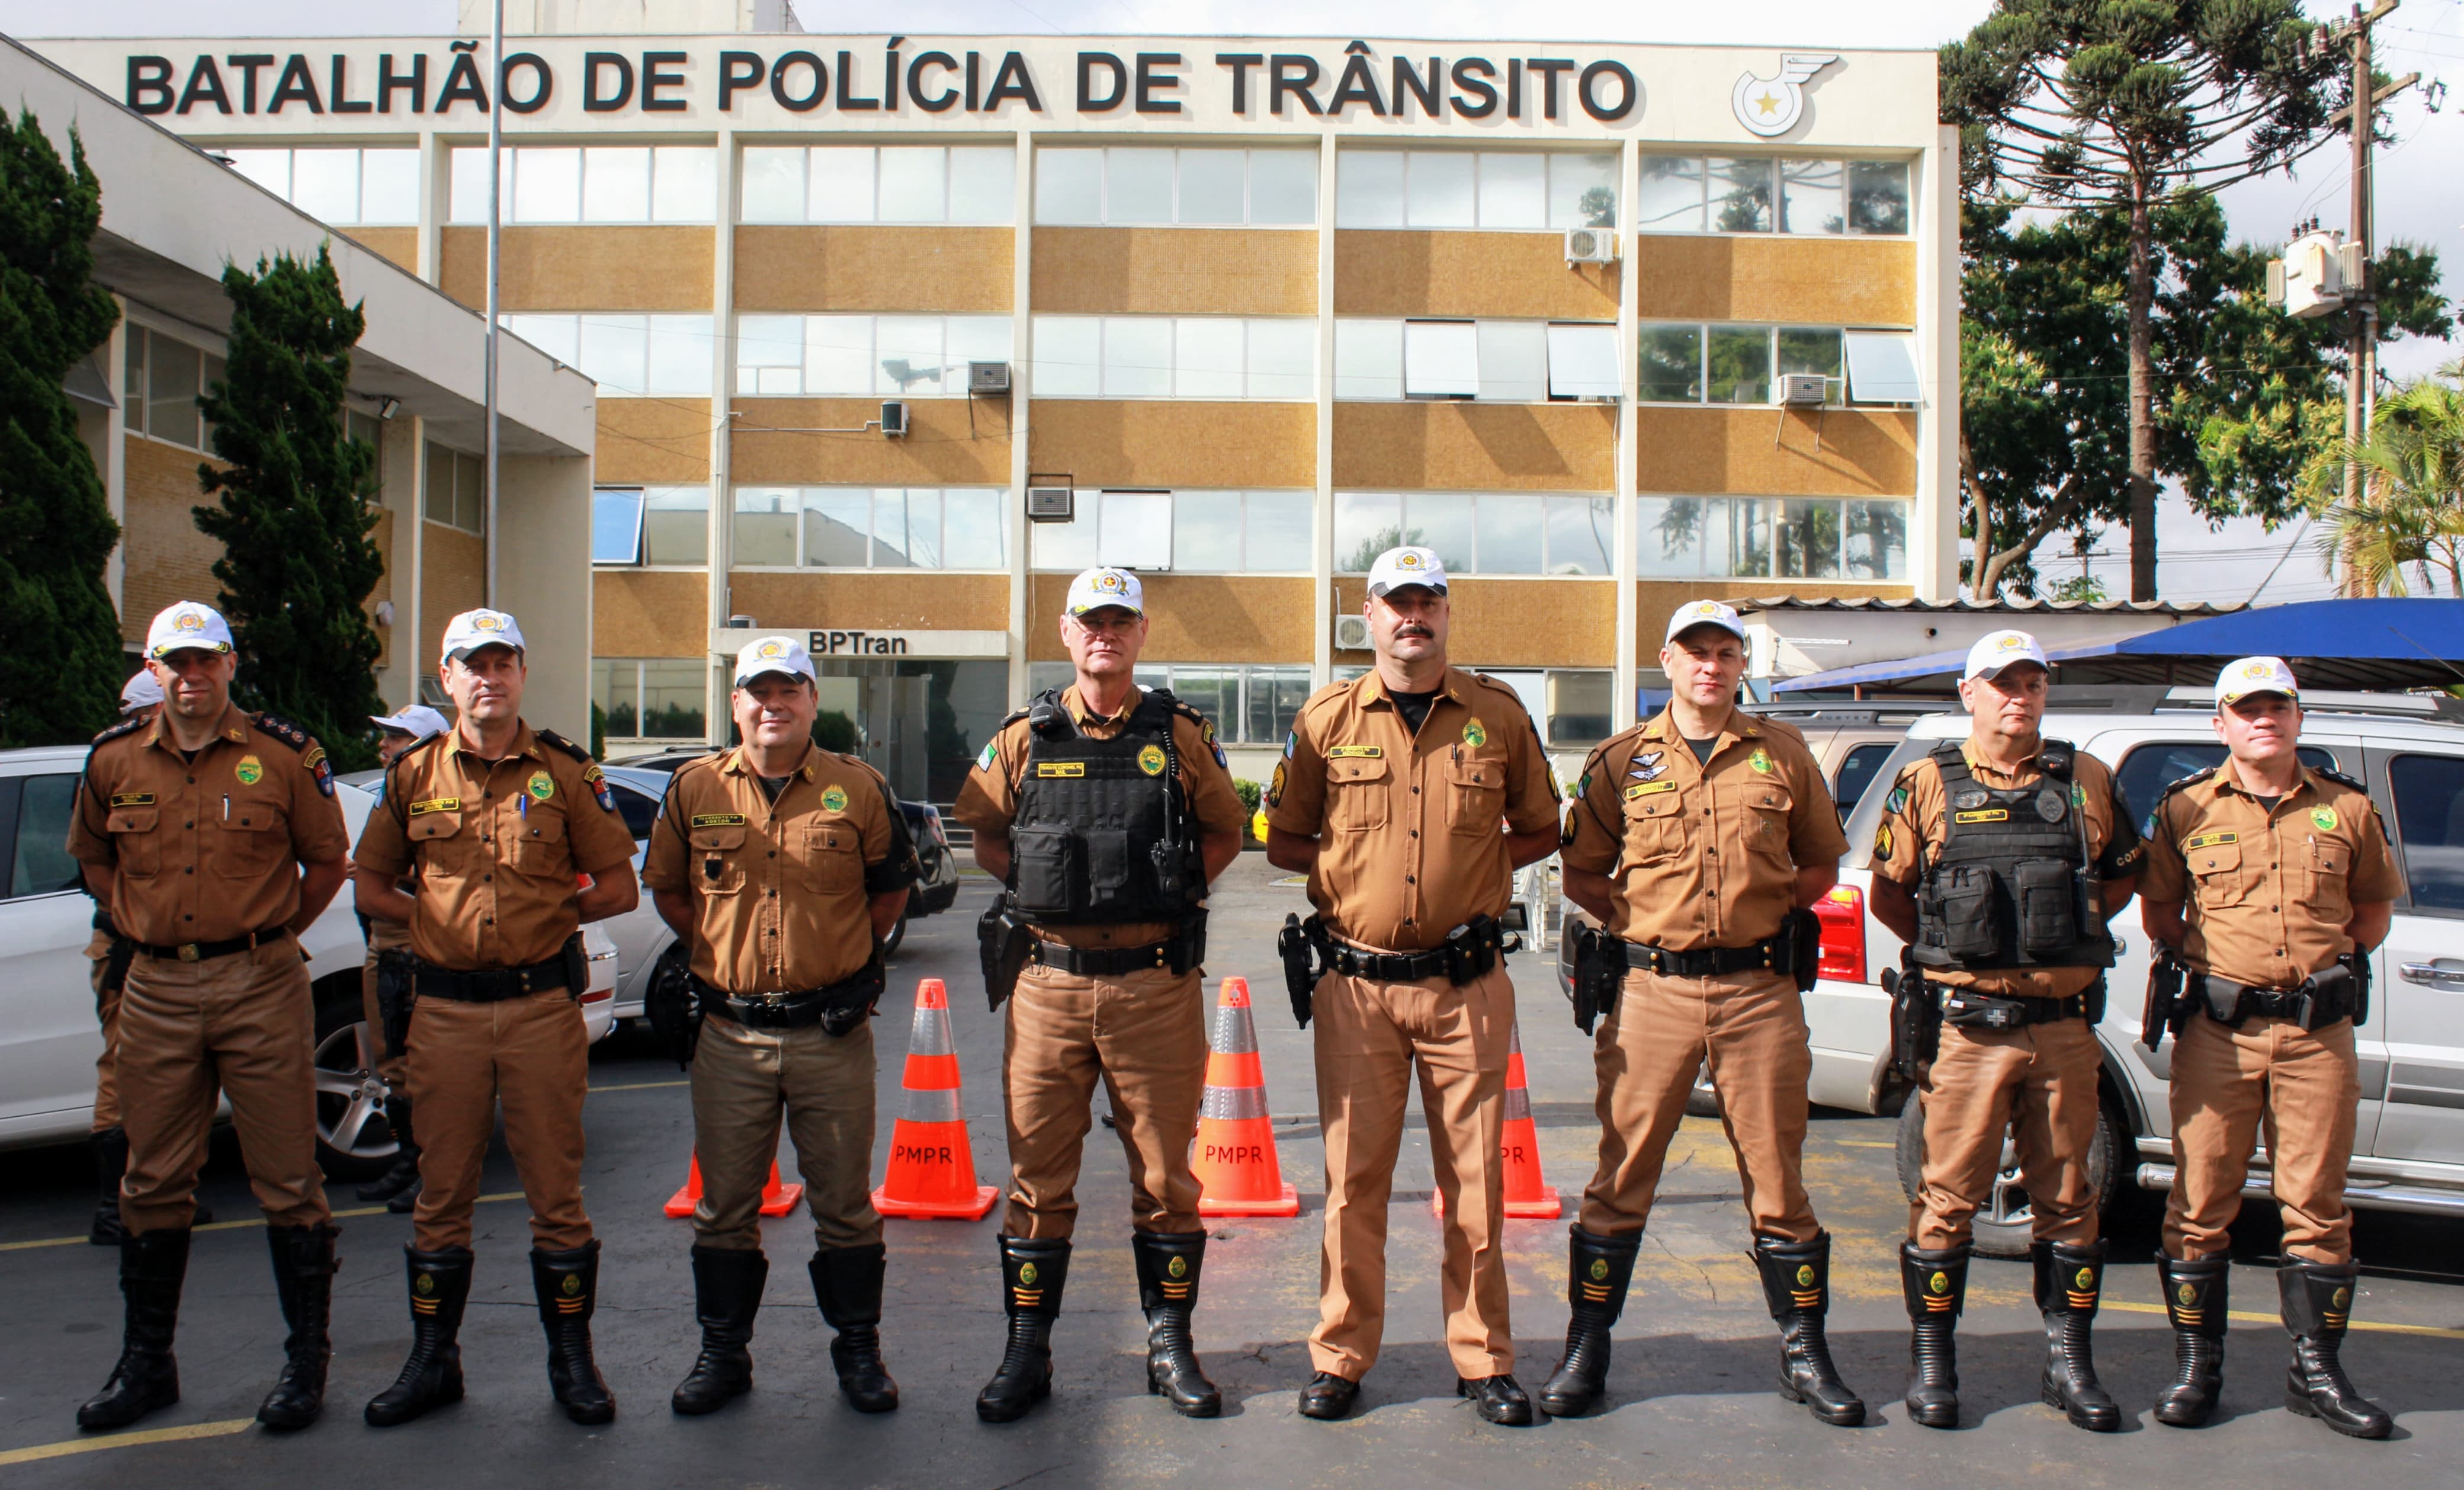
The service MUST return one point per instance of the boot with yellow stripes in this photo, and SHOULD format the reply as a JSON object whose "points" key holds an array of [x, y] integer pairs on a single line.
{"points": [[1796, 1284], [1032, 1275], [2070, 1280], [1934, 1283]]}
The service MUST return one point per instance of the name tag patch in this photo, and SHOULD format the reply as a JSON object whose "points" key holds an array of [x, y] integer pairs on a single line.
{"points": [[1356, 752], [436, 804], [2209, 840], [718, 819], [1991, 814], [132, 799], [1644, 788], [1061, 767]]}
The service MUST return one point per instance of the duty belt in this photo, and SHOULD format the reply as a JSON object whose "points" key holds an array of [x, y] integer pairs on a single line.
{"points": [[1704, 961], [1176, 953], [1966, 1009], [201, 951], [491, 985], [783, 1011], [1469, 952], [2302, 1005]]}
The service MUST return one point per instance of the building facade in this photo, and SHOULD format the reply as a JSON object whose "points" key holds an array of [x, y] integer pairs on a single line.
{"points": [[893, 334]]}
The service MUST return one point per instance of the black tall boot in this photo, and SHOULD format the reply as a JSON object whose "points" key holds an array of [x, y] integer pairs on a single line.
{"points": [[1796, 1284], [1032, 1275], [110, 1147], [303, 1280], [440, 1285], [727, 1294], [1934, 1283], [152, 1265], [1598, 1269], [401, 1178], [846, 1284], [1168, 1264], [2318, 1308], [2070, 1279], [566, 1283], [2194, 1300]]}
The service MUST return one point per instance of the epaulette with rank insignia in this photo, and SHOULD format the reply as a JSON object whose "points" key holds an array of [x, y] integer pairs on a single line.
{"points": [[591, 776], [132, 723], [2338, 778], [2148, 828], [312, 754]]}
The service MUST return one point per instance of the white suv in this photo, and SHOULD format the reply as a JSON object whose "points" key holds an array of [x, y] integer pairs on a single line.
{"points": [[2409, 1147]]}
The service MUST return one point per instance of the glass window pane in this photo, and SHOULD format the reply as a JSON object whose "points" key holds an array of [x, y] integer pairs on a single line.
{"points": [[1366, 524], [547, 184], [838, 526], [467, 191], [838, 356], [1672, 364], [2429, 793], [616, 351], [616, 182], [1668, 198], [39, 859], [1513, 190], [325, 185], [924, 527], [616, 527], [890, 540], [1439, 190], [1583, 362], [616, 687], [1809, 538], [1578, 705], [1582, 191], [1278, 539], [975, 528], [1282, 187], [1514, 361], [1811, 199], [470, 493], [436, 498], [675, 524], [1815, 350], [1206, 531], [684, 183], [1138, 357], [984, 184], [267, 169], [1135, 530], [1276, 695], [838, 185], [1509, 533], [908, 355], [1069, 357], [1746, 548], [1137, 186], [1369, 359], [914, 183], [1283, 356], [1441, 359], [388, 187], [1067, 546], [969, 339], [765, 527], [671, 700], [1441, 520], [174, 369], [1368, 188], [680, 355], [1580, 531], [1213, 186], [1877, 196], [767, 342], [1214, 692], [1069, 186], [1668, 536], [558, 336], [1207, 357], [774, 183], [1740, 196], [1876, 545], [1883, 367], [1740, 365]]}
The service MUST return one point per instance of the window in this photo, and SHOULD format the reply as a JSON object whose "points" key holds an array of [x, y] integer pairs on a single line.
{"points": [[347, 187], [1570, 706], [1857, 772], [1759, 194], [1509, 533], [864, 527], [1514, 361], [628, 355], [1130, 186], [1725, 364], [675, 524], [589, 184], [39, 864], [456, 494], [616, 525], [2149, 769], [1771, 538], [162, 381], [1217, 357], [891, 184], [865, 356], [1881, 367], [2428, 792], [649, 698], [1264, 532], [1488, 189], [639, 809], [1249, 703]]}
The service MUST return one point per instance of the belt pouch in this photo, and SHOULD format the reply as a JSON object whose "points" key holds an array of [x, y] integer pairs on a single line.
{"points": [[1049, 865]]}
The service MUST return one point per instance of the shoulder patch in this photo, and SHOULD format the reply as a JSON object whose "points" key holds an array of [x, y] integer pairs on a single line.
{"points": [[284, 730]]}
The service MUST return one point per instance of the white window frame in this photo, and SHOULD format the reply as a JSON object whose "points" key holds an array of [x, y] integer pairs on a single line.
{"points": [[1839, 387], [1470, 564], [1048, 330], [1104, 219], [803, 512], [846, 330], [1777, 163], [561, 335], [1002, 214], [1552, 162], [602, 501], [466, 185], [1771, 522]]}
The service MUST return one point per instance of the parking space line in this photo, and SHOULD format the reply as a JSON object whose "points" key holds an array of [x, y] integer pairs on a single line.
{"points": [[67, 1447], [2251, 1318], [224, 1226], [641, 1086]]}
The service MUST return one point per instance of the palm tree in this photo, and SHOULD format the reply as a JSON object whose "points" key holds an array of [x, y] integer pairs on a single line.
{"points": [[2410, 510]]}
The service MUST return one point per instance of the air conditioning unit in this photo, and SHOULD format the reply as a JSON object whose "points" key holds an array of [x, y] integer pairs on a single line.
{"points": [[893, 417], [987, 377], [1591, 246], [1351, 633], [1798, 390], [1051, 504], [2313, 275]]}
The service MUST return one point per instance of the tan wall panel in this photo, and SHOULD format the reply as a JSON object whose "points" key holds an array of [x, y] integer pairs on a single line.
{"points": [[400, 245], [1197, 618], [864, 267], [1862, 453], [1176, 271], [1475, 447], [166, 560], [939, 448], [919, 602], [1383, 272], [583, 268], [655, 442], [648, 613], [1172, 442], [1513, 622], [1812, 281], [1656, 600], [454, 578]]}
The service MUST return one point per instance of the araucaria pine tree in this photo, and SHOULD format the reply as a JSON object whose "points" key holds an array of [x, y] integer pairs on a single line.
{"points": [[297, 506]]}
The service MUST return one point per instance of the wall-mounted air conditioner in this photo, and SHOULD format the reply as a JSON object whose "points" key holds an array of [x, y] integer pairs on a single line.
{"points": [[987, 377], [1351, 633], [1051, 505], [1591, 245], [1799, 390], [893, 417]]}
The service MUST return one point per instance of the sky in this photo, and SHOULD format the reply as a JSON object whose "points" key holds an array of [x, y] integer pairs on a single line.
{"points": [[2420, 180]]}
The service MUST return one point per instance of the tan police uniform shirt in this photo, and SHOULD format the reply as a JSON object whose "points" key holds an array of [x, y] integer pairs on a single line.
{"points": [[499, 845], [209, 848], [988, 800], [1702, 855], [2268, 893], [1915, 816], [781, 890], [1410, 842]]}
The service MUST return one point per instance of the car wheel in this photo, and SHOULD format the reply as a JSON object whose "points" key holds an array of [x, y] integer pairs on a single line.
{"points": [[2005, 1224], [897, 934], [355, 1140]]}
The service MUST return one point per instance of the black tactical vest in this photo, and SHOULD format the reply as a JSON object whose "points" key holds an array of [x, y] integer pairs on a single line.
{"points": [[2009, 885], [1102, 831]]}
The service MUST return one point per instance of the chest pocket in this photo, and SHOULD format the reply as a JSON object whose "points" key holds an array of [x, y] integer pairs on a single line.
{"points": [[2331, 866], [718, 865], [2216, 868], [134, 840], [1356, 792], [1757, 812], [832, 856], [250, 842], [1476, 796], [1655, 828], [538, 843], [437, 835]]}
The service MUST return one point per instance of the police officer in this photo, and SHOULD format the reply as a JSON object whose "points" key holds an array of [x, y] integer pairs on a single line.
{"points": [[389, 957], [781, 866], [1698, 840], [1409, 796], [2272, 881], [1105, 811], [108, 952], [498, 821], [213, 837], [1998, 860]]}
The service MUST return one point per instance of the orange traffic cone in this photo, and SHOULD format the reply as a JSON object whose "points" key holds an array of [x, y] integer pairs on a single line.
{"points": [[931, 1166], [1233, 1152], [1527, 1197], [777, 1199]]}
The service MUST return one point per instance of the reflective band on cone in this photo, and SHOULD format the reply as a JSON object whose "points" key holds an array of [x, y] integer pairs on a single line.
{"points": [[1233, 1152], [777, 1199], [1527, 1197], [931, 1166]]}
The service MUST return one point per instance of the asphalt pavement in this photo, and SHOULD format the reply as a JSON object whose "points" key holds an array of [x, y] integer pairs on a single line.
{"points": [[1691, 1386]]}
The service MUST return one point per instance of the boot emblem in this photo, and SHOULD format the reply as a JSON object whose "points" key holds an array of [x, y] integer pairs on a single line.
{"points": [[2340, 1301], [2085, 1281], [2186, 1295], [1177, 1267], [1026, 1275], [424, 1284], [1805, 1276], [572, 1285], [1600, 1270], [1938, 1283]]}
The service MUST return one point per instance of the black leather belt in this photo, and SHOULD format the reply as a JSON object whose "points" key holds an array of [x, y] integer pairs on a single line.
{"points": [[1177, 953], [1468, 953], [794, 1010], [1704, 962], [2229, 1003], [1968, 1010], [491, 985], [201, 951]]}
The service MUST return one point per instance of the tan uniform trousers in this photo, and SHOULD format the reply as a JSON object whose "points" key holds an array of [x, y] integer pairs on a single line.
{"points": [[2039, 1085], [2269, 1079], [741, 1078], [532, 1054], [106, 1075], [1750, 1027], [244, 1024], [1145, 1035], [1370, 1038], [395, 1069]]}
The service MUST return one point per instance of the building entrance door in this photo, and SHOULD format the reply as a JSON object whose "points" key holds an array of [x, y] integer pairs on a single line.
{"points": [[916, 720]]}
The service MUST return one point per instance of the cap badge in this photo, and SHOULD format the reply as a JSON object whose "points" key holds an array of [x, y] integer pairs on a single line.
{"points": [[487, 621], [1151, 760], [249, 771], [187, 621], [834, 799], [1110, 582], [772, 650], [1407, 560], [2011, 643], [2255, 670]]}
